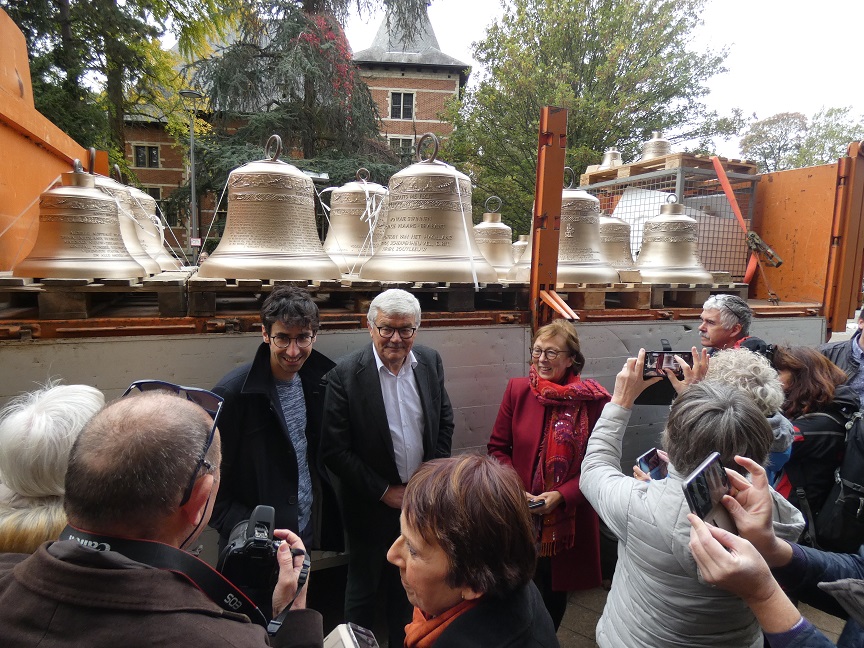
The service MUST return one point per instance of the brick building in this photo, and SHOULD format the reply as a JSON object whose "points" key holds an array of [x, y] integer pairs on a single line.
{"points": [[411, 80]]}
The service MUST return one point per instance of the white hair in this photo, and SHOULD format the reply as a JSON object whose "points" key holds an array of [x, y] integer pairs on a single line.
{"points": [[37, 430], [750, 372], [394, 302]]}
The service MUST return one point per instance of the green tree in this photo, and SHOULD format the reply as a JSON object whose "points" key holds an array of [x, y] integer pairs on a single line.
{"points": [[622, 68], [775, 142], [828, 136]]}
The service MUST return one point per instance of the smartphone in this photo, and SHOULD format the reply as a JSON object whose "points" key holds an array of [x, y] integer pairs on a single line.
{"points": [[651, 463], [704, 488], [537, 503], [657, 361]]}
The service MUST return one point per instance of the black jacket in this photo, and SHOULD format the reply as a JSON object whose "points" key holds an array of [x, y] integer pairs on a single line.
{"points": [[817, 450], [840, 353], [258, 461], [519, 620]]}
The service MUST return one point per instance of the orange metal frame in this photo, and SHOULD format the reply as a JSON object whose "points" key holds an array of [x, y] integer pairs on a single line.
{"points": [[552, 144]]}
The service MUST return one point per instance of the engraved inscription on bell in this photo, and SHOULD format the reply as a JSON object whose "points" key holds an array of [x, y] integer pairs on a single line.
{"points": [[579, 259]]}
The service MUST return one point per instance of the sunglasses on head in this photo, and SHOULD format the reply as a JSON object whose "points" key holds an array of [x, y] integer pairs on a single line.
{"points": [[207, 400]]}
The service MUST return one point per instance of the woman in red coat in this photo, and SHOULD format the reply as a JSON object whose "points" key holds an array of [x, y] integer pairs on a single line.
{"points": [[542, 429]]}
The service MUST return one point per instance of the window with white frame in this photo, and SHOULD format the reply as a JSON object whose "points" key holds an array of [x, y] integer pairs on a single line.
{"points": [[401, 105], [146, 156], [402, 145]]}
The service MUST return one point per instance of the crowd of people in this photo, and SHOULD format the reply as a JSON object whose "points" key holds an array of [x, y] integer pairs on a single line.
{"points": [[101, 506]]}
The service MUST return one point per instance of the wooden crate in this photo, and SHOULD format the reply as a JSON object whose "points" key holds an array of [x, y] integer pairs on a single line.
{"points": [[671, 161]]}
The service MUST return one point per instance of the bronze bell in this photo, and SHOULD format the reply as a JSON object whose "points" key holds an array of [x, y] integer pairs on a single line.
{"points": [[149, 231], [669, 252], [429, 235], [655, 147], [495, 239], [520, 271], [615, 242], [611, 158], [519, 247], [356, 223], [579, 259], [129, 225], [79, 235], [270, 231]]}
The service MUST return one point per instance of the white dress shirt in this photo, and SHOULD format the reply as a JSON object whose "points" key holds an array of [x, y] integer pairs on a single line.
{"points": [[404, 414]]}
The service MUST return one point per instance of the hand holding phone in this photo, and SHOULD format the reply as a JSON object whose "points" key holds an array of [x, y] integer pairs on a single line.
{"points": [[537, 503], [656, 362], [652, 463], [704, 489]]}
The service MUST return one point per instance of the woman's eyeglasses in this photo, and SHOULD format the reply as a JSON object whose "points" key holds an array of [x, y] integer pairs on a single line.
{"points": [[550, 354], [207, 400]]}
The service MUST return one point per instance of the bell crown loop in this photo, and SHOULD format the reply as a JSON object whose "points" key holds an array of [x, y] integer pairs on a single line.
{"points": [[569, 185], [493, 199]]}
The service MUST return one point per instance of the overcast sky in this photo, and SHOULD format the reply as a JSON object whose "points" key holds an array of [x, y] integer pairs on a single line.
{"points": [[781, 57]]}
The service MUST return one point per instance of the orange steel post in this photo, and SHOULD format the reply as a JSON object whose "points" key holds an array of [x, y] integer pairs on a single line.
{"points": [[552, 143]]}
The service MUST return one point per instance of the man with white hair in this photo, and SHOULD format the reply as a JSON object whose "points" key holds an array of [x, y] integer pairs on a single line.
{"points": [[385, 412], [726, 325]]}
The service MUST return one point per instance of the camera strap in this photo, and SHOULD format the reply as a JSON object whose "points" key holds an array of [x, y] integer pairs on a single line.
{"points": [[162, 556]]}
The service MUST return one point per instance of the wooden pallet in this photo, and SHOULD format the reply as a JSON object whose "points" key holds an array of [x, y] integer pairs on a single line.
{"points": [[671, 161], [60, 298], [692, 295], [207, 294], [601, 296]]}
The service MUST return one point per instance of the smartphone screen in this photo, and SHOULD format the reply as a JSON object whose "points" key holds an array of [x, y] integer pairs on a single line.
{"points": [[653, 464], [703, 490], [657, 361]]}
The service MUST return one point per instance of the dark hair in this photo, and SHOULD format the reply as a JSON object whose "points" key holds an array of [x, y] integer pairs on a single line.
{"points": [[715, 417], [474, 508], [292, 306], [568, 333], [132, 462], [814, 379]]}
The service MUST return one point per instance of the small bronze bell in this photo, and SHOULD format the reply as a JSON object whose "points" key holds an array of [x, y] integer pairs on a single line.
{"points": [[270, 231], [615, 242], [519, 247], [429, 235], [149, 232], [669, 249], [79, 235], [655, 147], [495, 239], [356, 223], [611, 158]]}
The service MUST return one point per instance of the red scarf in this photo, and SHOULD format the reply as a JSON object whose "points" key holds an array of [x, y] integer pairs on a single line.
{"points": [[562, 448], [423, 632]]}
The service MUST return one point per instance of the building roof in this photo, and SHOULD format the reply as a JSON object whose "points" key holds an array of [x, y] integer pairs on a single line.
{"points": [[391, 46]]}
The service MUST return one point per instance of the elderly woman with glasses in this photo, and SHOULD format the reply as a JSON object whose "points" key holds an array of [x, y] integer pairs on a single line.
{"points": [[542, 430]]}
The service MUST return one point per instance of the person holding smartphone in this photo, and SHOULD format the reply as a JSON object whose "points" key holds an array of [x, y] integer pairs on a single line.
{"points": [[657, 598]]}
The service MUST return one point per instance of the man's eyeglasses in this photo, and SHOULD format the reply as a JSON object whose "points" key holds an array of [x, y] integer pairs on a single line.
{"points": [[207, 400], [283, 341], [406, 332], [550, 354]]}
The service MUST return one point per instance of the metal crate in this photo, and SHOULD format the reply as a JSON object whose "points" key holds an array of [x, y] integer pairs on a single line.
{"points": [[722, 244]]}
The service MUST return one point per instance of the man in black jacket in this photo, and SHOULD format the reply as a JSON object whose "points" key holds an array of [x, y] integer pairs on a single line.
{"points": [[386, 412], [847, 356], [271, 424]]}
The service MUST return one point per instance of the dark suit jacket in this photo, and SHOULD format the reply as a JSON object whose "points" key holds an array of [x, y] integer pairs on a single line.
{"points": [[259, 465], [356, 444]]}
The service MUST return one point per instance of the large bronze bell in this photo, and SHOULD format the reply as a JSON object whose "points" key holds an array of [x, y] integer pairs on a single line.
{"points": [[429, 235], [669, 249], [615, 242], [579, 259], [149, 232], [357, 223], [270, 230], [79, 235], [129, 226], [495, 239], [519, 247]]}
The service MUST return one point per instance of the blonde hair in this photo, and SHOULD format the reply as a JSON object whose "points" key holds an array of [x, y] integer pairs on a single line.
{"points": [[22, 530], [750, 372]]}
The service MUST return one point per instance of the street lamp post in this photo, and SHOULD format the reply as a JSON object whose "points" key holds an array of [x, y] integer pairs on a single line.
{"points": [[194, 229]]}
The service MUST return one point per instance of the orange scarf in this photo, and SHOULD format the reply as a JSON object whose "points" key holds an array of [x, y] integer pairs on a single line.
{"points": [[423, 632]]}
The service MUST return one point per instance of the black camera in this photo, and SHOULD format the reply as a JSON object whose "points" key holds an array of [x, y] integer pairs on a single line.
{"points": [[249, 558]]}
